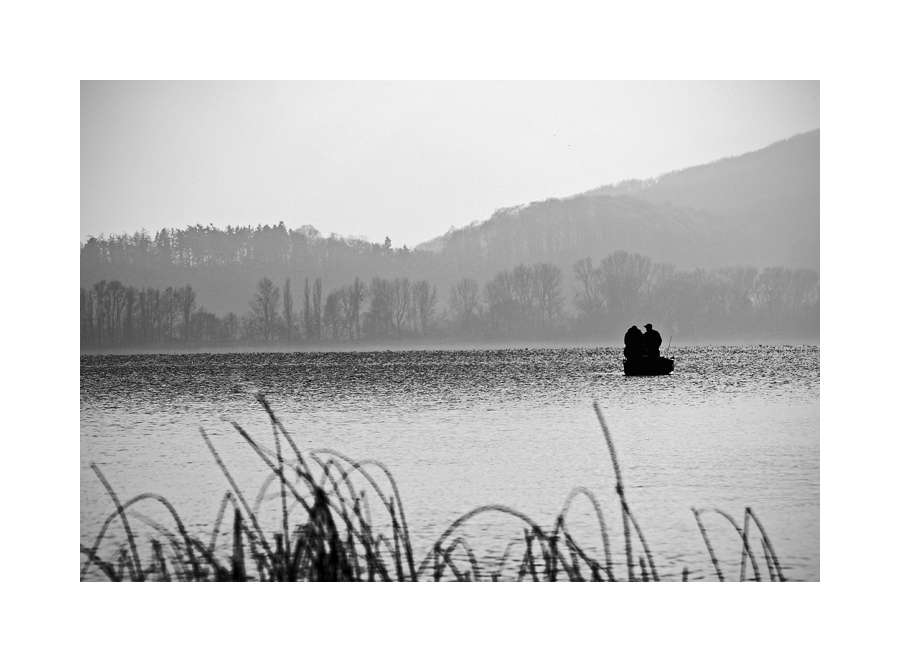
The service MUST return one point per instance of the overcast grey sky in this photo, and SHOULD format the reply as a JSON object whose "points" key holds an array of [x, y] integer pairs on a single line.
{"points": [[400, 159]]}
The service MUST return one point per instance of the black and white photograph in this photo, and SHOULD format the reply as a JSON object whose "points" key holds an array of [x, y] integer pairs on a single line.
{"points": [[578, 295], [507, 331]]}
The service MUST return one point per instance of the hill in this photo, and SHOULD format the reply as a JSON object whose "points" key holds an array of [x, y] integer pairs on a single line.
{"points": [[759, 208], [771, 195]]}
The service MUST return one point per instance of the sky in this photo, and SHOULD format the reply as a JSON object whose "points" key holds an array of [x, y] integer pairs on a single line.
{"points": [[405, 160]]}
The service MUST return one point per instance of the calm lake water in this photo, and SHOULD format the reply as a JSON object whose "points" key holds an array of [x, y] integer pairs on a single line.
{"points": [[731, 427]]}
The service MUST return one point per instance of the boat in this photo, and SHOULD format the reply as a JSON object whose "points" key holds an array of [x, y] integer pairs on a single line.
{"points": [[649, 365]]}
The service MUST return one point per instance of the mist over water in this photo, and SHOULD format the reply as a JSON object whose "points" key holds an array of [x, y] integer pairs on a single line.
{"points": [[731, 427]]}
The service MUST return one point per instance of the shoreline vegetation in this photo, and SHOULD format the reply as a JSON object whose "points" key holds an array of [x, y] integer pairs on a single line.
{"points": [[328, 532], [527, 303], [448, 346]]}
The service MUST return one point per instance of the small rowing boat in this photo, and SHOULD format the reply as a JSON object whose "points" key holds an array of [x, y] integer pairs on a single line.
{"points": [[648, 366]]}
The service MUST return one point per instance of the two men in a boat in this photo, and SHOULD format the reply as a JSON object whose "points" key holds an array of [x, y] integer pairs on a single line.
{"points": [[639, 344]]}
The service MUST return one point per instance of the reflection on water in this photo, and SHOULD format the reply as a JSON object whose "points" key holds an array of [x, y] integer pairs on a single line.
{"points": [[731, 427]]}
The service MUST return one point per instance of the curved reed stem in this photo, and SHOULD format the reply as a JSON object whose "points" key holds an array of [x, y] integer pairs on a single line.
{"points": [[121, 512], [620, 489], [708, 545]]}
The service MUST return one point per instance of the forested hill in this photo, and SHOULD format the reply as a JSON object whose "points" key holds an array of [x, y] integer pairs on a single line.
{"points": [[562, 231], [770, 195], [760, 208]]}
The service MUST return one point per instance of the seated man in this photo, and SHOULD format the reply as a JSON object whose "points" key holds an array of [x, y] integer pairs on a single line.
{"points": [[652, 341], [634, 343]]}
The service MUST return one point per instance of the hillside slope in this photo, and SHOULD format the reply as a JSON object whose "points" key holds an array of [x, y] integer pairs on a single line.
{"points": [[770, 195], [760, 208]]}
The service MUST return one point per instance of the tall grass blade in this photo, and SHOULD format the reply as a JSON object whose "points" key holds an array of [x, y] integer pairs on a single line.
{"points": [[712, 554], [768, 544], [121, 512], [620, 489]]}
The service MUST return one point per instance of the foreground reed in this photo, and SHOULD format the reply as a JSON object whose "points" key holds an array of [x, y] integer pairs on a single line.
{"points": [[336, 538]]}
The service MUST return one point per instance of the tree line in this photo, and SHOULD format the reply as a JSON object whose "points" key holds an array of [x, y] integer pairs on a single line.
{"points": [[525, 302], [225, 264]]}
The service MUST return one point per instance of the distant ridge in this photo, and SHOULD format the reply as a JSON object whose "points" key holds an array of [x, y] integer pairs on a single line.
{"points": [[759, 208], [771, 193]]}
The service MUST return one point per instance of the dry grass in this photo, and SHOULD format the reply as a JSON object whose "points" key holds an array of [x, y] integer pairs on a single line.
{"points": [[327, 532]]}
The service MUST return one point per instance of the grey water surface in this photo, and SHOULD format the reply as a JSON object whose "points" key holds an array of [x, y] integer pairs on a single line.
{"points": [[731, 427]]}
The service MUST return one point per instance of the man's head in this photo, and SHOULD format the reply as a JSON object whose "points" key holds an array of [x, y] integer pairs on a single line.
{"points": [[648, 326]]}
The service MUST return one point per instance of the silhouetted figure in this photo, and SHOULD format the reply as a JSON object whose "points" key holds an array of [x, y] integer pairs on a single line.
{"points": [[652, 341], [634, 343]]}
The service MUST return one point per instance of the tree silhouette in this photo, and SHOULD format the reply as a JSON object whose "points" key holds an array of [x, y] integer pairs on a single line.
{"points": [[307, 312], [547, 293], [265, 307], [356, 298], [424, 302], [590, 299], [187, 299], [288, 310], [464, 302], [381, 308], [317, 309]]}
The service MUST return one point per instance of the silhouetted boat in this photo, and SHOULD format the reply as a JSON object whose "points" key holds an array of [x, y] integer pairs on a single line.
{"points": [[647, 366]]}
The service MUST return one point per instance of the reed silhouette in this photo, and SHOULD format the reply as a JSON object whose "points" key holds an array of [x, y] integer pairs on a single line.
{"points": [[335, 536]]}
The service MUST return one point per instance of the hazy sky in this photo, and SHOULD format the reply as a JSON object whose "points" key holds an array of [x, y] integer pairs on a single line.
{"points": [[398, 159]]}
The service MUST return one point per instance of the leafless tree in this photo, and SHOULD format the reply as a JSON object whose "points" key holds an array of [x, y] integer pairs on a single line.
{"points": [[402, 304], [288, 308], [381, 308], [356, 298], [625, 278], [307, 312], [317, 309], [168, 308], [128, 330], [590, 299], [265, 307], [424, 302], [332, 314], [464, 302], [547, 293], [187, 300], [500, 304], [523, 292]]}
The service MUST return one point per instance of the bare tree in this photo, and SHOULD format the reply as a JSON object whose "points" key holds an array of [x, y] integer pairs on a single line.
{"points": [[357, 296], [128, 330], [99, 298], [87, 317], [381, 308], [143, 311], [317, 309], [402, 304], [345, 311], [500, 304], [523, 292], [547, 293], [288, 310], [187, 300], [625, 278], [115, 303], [331, 317], [167, 308], [590, 299], [464, 302], [307, 312], [424, 302], [265, 307], [230, 327]]}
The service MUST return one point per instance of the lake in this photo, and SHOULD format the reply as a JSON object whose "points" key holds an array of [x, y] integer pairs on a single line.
{"points": [[731, 427]]}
